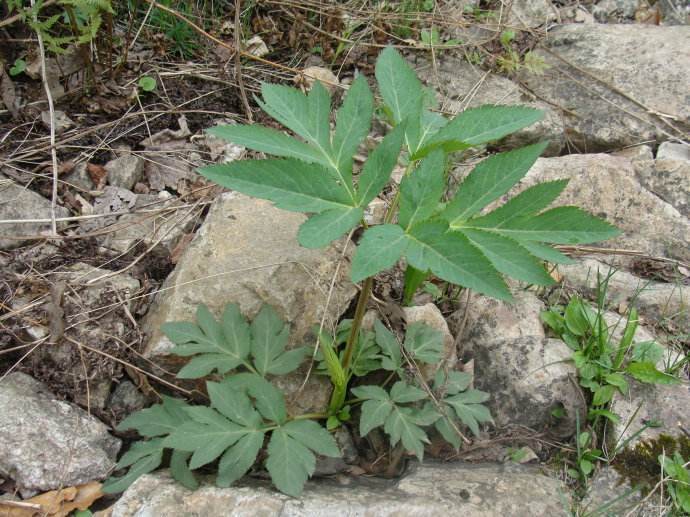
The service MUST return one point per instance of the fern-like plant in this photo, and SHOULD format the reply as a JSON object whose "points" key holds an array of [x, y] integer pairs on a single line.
{"points": [[455, 239]]}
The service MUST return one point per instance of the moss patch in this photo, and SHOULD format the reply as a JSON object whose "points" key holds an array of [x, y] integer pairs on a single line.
{"points": [[640, 464]]}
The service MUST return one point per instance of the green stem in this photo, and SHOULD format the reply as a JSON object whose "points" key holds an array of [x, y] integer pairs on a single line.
{"points": [[310, 416], [360, 310]]}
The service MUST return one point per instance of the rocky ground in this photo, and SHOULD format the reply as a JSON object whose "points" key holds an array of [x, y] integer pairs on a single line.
{"points": [[144, 240]]}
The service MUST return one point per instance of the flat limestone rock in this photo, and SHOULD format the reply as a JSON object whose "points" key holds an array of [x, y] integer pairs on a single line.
{"points": [[431, 489], [46, 443], [651, 64], [607, 186]]}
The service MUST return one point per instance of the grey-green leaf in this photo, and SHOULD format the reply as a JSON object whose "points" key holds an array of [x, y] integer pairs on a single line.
{"points": [[291, 184], [390, 348], [289, 463], [353, 122], [322, 229], [239, 458], [374, 414], [451, 257], [267, 140], [402, 393], [380, 247], [379, 166], [421, 190], [489, 180], [399, 86], [179, 468], [423, 343], [481, 125], [312, 435]]}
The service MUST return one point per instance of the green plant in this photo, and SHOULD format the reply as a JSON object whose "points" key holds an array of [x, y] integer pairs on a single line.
{"points": [[147, 83], [18, 67], [78, 22], [678, 485], [604, 366], [456, 239]]}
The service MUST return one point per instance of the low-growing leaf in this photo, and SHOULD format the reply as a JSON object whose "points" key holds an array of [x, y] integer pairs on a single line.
{"points": [[401, 426], [179, 468], [391, 357], [374, 414], [239, 458], [143, 466], [312, 435], [269, 338], [289, 463], [647, 351], [423, 343], [603, 395], [402, 393], [158, 420], [648, 373]]}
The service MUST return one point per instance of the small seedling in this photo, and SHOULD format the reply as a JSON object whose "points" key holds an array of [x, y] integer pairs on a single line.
{"points": [[147, 83], [18, 67]]}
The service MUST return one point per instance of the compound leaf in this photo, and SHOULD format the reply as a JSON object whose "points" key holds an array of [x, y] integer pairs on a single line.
{"points": [[146, 464], [391, 358], [269, 338], [401, 426], [157, 420], [374, 414], [402, 392]]}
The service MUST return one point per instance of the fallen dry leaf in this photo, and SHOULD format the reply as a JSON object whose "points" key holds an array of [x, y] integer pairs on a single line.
{"points": [[98, 175], [56, 503]]}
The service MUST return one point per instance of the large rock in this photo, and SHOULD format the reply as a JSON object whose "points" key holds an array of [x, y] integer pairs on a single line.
{"points": [[461, 85], [608, 489], [607, 187], [246, 252], [45, 443], [527, 14], [656, 302], [667, 405], [19, 203], [450, 489], [634, 59], [527, 375]]}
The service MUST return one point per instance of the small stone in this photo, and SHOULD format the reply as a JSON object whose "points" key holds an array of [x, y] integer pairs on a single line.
{"points": [[529, 14], [376, 211], [256, 46], [20, 203], [126, 398], [673, 151], [318, 73], [45, 443], [430, 315], [125, 171], [62, 121]]}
